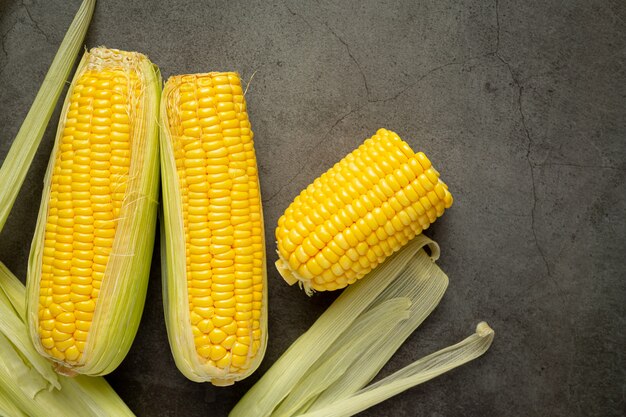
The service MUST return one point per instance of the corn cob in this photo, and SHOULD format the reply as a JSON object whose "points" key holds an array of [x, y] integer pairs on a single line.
{"points": [[90, 257], [358, 213], [214, 278]]}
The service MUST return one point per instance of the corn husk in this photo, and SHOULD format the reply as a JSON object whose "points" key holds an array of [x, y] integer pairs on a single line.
{"points": [[418, 372], [122, 293]]}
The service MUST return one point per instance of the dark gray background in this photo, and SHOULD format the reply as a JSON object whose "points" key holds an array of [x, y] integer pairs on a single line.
{"points": [[521, 107]]}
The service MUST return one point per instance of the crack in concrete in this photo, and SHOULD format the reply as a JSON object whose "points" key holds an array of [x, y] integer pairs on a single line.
{"points": [[345, 44], [34, 22], [531, 165], [569, 164], [4, 47], [340, 39], [318, 144], [497, 26], [306, 22], [6, 34], [425, 75]]}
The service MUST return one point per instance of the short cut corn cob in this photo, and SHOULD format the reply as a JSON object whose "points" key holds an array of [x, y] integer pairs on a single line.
{"points": [[214, 279], [90, 257], [358, 213]]}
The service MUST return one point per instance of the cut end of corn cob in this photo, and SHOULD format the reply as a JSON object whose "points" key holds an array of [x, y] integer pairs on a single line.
{"points": [[89, 263], [358, 213], [214, 279]]}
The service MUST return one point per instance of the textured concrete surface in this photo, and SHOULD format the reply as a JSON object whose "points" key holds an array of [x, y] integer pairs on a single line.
{"points": [[521, 106]]}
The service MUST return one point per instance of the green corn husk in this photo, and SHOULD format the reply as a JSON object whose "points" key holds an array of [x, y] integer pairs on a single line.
{"points": [[18, 160], [418, 372], [332, 362], [28, 384], [123, 289]]}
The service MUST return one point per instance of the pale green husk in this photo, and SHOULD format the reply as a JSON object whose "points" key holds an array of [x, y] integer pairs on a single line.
{"points": [[28, 384], [174, 274], [324, 371], [16, 164], [122, 295], [419, 371]]}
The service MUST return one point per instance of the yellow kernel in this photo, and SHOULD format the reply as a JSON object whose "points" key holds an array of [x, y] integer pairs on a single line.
{"points": [[83, 325], [229, 341], [219, 321], [59, 336], [217, 336], [65, 327], [86, 306], [201, 340], [72, 353], [239, 349], [226, 312], [47, 324], [57, 354], [227, 303], [204, 351], [231, 328], [242, 316], [221, 296], [203, 301], [64, 344], [80, 335], [206, 325], [224, 362], [217, 352], [47, 343]]}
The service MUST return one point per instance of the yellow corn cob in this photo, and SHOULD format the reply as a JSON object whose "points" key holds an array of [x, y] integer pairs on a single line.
{"points": [[91, 252], [214, 274], [358, 213]]}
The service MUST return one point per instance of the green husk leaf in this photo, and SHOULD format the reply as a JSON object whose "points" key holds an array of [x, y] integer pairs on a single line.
{"points": [[418, 372], [13, 290], [18, 160], [7, 407], [122, 294], [371, 325], [424, 283]]}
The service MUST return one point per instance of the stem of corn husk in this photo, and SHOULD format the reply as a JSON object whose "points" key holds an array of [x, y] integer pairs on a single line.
{"points": [[18, 159]]}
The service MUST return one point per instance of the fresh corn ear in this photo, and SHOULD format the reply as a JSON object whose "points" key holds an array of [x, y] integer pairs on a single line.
{"points": [[90, 257], [214, 278], [358, 213]]}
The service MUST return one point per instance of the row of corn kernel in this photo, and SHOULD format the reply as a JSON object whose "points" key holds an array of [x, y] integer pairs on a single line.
{"points": [[85, 200]]}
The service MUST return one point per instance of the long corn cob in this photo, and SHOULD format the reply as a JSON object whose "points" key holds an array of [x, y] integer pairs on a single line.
{"points": [[358, 213], [214, 280], [90, 257]]}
